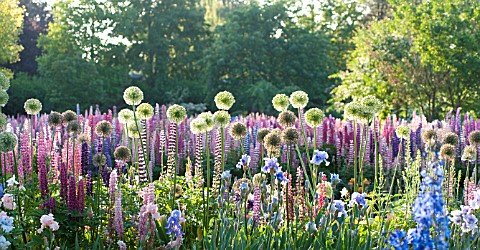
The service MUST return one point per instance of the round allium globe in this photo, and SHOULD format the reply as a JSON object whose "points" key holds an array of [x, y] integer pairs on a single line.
{"points": [[133, 130], [403, 132], [176, 113], [104, 128], [447, 151], [54, 119], [198, 126], [8, 141], [280, 102], [469, 153], [429, 136], [474, 138], [299, 99], [3, 98], [450, 138], [4, 82], [290, 136], [99, 160], [286, 119], [224, 100], [261, 134], [32, 106], [68, 116], [133, 95], [144, 111], [273, 140], [209, 122], [238, 130], [74, 127], [352, 110], [83, 138], [314, 117], [221, 118], [125, 116], [3, 120], [372, 103], [122, 153]]}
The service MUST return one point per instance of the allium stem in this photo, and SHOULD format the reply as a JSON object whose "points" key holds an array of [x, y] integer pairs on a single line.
{"points": [[207, 146], [138, 129], [355, 178]]}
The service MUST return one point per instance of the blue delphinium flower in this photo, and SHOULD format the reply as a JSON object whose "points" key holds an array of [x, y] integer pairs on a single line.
{"points": [[358, 199], [271, 164], [1, 190], [429, 211], [398, 240], [281, 177], [173, 223], [319, 157]]}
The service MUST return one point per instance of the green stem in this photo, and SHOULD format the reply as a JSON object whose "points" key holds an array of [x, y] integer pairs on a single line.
{"points": [[375, 183], [355, 178], [139, 133], [222, 137], [175, 168], [207, 145]]}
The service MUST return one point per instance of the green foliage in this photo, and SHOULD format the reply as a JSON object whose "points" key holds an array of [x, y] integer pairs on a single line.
{"points": [[11, 17]]}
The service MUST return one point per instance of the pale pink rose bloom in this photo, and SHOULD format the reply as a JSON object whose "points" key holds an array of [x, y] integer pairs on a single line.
{"points": [[8, 203]]}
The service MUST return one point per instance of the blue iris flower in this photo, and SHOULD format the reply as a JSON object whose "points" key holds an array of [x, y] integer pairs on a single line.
{"points": [[318, 157]]}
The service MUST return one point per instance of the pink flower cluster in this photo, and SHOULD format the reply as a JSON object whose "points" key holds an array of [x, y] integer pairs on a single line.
{"points": [[48, 222]]}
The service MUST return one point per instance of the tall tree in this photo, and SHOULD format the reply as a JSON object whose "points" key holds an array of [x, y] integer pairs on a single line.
{"points": [[167, 42], [11, 18], [35, 22]]}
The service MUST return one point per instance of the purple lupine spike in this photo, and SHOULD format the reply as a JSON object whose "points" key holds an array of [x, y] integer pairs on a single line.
{"points": [[198, 162], [112, 186], [89, 183], [84, 157], [171, 164], [63, 181], [42, 167], [72, 194], [81, 196], [118, 214], [217, 166], [257, 203]]}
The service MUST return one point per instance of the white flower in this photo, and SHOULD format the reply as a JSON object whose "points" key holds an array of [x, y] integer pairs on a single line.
{"points": [[48, 222], [8, 202], [344, 192], [11, 182], [122, 244]]}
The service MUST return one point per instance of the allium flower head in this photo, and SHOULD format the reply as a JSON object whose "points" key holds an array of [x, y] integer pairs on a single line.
{"points": [[133, 95], [8, 141], [122, 153], [261, 134], [299, 99], [104, 128], [68, 116], [429, 136], [290, 136], [198, 126], [32, 106], [54, 119], [372, 103], [238, 130], [257, 180], [3, 98], [469, 153], [286, 119], [4, 81], [208, 117], [474, 138], [403, 131], [314, 117], [221, 118], [144, 111], [99, 160], [82, 137], [224, 100], [73, 127], [125, 116], [353, 110], [133, 130], [451, 138], [273, 140], [318, 157], [176, 113], [448, 151], [280, 102]]}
